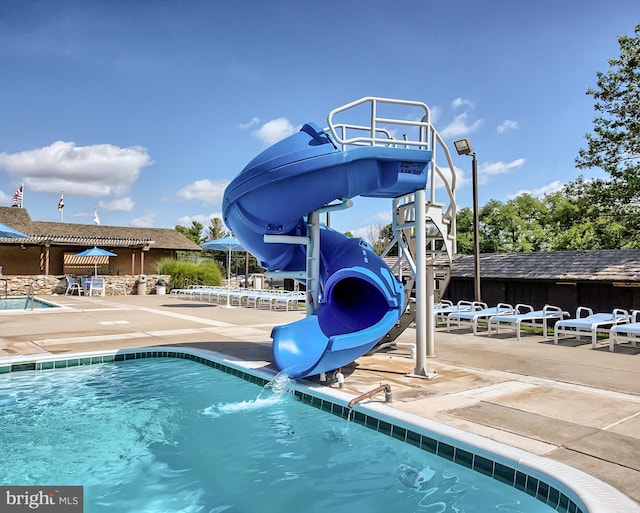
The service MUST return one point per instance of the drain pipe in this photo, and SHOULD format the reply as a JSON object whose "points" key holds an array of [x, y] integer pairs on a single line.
{"points": [[383, 386]]}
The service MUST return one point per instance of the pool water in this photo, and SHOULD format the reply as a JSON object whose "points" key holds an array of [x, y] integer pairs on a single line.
{"points": [[23, 303], [167, 435]]}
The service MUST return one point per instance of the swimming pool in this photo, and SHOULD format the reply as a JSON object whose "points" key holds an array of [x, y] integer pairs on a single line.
{"points": [[15, 303], [161, 452]]}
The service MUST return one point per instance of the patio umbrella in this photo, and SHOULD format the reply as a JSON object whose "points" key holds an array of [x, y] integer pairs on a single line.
{"points": [[227, 244], [95, 253], [6, 232]]}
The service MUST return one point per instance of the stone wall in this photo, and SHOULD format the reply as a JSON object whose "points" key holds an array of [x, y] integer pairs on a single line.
{"points": [[51, 285]]}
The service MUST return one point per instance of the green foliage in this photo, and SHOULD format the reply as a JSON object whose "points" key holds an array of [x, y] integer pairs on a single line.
{"points": [[614, 144], [194, 232], [184, 273], [216, 230]]}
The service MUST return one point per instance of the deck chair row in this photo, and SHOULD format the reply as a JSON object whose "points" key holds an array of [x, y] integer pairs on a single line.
{"points": [[502, 316], [272, 299], [619, 325]]}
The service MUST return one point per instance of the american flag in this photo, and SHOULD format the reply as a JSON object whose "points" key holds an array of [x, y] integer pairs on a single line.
{"points": [[17, 197]]}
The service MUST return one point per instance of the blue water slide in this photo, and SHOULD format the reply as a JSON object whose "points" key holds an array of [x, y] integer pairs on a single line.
{"points": [[361, 299]]}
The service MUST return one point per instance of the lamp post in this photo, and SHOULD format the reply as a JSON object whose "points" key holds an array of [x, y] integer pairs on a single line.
{"points": [[463, 147]]}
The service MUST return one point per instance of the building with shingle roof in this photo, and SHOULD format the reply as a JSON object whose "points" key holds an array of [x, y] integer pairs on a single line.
{"points": [[51, 247], [599, 279]]}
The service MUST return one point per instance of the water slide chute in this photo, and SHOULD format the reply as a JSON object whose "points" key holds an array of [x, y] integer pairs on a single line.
{"points": [[361, 299]]}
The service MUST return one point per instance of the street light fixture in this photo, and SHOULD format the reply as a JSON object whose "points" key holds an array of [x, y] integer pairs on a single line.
{"points": [[463, 147]]}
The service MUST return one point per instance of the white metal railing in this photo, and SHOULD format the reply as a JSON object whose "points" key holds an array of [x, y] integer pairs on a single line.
{"points": [[379, 130]]}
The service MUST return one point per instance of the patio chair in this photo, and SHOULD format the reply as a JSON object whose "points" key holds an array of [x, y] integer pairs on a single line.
{"points": [[525, 315], [626, 332], [118, 285], [473, 317], [73, 284], [96, 286], [588, 323]]}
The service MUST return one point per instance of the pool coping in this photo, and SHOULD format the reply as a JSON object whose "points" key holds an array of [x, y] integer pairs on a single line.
{"points": [[551, 479]]}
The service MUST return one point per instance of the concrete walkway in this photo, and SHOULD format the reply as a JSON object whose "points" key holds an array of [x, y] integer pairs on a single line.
{"points": [[568, 402]]}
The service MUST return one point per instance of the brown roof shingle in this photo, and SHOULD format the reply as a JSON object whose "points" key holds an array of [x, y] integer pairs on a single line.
{"points": [[598, 265], [73, 234]]}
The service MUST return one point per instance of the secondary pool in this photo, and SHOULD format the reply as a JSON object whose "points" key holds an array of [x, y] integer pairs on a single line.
{"points": [[24, 303], [146, 433]]}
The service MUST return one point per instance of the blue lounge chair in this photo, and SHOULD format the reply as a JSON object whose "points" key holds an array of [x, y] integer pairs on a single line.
{"points": [[626, 332], [474, 316], [525, 315], [588, 323]]}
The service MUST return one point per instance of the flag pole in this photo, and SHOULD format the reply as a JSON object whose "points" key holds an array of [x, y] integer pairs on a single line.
{"points": [[61, 206]]}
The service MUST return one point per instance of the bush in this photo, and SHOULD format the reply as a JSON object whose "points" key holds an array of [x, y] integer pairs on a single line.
{"points": [[184, 273]]}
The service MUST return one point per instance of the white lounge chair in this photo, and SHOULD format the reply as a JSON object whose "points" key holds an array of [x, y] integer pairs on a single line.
{"points": [[289, 300], [473, 317], [590, 324], [525, 315], [626, 332], [441, 311]]}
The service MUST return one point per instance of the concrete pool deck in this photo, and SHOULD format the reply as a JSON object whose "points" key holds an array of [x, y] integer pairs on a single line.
{"points": [[568, 402]]}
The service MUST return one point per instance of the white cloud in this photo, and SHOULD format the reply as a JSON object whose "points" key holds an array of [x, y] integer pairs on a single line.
{"points": [[435, 112], [145, 220], [490, 169], [207, 191], [275, 130], [6, 199], [117, 205], [93, 171], [254, 121], [552, 187], [369, 233], [461, 102], [506, 125], [460, 126], [204, 219]]}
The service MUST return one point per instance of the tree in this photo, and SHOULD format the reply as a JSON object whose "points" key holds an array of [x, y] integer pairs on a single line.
{"points": [[194, 232], [216, 230], [464, 231], [614, 145]]}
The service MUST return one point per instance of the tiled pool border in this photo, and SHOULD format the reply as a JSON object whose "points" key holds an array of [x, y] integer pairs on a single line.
{"points": [[329, 400]]}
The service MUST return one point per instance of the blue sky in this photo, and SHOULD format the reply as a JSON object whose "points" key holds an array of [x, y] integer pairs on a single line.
{"points": [[145, 110]]}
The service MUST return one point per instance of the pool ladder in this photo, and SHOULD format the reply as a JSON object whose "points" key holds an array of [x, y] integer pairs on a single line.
{"points": [[29, 296], [388, 397]]}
